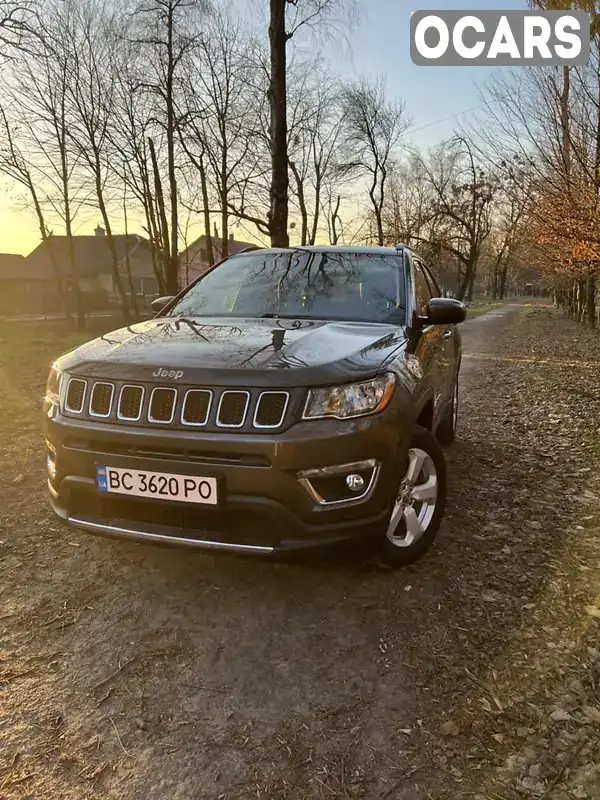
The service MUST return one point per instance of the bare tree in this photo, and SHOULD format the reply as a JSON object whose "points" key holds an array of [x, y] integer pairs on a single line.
{"points": [[40, 90], [130, 128], [91, 94], [167, 30], [373, 128], [302, 13], [219, 116], [461, 197], [315, 140], [17, 23], [14, 164]]}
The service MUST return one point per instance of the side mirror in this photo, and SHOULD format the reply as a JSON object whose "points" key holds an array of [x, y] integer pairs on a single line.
{"points": [[445, 311], [160, 303]]}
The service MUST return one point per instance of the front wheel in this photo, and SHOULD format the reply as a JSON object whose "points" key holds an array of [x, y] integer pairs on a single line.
{"points": [[419, 504]]}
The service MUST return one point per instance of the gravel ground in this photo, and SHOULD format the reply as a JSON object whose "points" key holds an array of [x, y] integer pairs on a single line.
{"points": [[133, 672]]}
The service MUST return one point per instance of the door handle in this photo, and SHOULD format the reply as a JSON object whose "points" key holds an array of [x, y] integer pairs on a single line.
{"points": [[447, 334]]}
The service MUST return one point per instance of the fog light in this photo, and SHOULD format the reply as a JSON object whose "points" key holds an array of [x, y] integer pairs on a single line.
{"points": [[342, 483], [356, 483]]}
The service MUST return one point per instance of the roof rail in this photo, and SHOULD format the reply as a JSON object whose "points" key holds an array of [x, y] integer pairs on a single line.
{"points": [[400, 246]]}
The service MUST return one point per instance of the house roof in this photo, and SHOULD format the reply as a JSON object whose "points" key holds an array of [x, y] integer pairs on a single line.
{"points": [[14, 267], [91, 253], [234, 246]]}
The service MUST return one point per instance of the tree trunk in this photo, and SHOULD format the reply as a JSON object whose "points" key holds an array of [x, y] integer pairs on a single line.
{"points": [[278, 213], [52, 255], [79, 306], [503, 276], [466, 280], [132, 292], [334, 217], [210, 256], [565, 121], [172, 276], [315, 225], [224, 226], [301, 203], [224, 200], [590, 301], [152, 227], [162, 215], [471, 287], [114, 259], [154, 244]]}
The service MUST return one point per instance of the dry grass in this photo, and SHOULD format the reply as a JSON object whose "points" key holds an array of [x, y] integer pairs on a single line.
{"points": [[129, 672]]}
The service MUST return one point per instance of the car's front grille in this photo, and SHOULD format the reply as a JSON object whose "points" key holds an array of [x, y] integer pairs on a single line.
{"points": [[196, 407], [162, 405], [182, 407], [130, 403], [270, 409], [75, 395], [232, 409], [101, 399]]}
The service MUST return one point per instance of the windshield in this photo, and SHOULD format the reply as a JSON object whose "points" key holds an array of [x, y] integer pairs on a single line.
{"points": [[300, 284]]}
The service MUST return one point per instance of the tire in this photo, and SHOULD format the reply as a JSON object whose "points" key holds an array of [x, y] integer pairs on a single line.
{"points": [[417, 518], [446, 432]]}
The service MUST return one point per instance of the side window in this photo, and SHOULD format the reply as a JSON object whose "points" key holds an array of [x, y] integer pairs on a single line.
{"points": [[423, 293], [433, 284]]}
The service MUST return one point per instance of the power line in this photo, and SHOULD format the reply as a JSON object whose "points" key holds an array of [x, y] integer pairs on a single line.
{"points": [[445, 119]]}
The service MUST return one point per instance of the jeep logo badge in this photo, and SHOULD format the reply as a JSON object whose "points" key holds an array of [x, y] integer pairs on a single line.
{"points": [[168, 373]]}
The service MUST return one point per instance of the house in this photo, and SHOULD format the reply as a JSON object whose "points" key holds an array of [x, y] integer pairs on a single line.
{"points": [[193, 260], [21, 287], [93, 262]]}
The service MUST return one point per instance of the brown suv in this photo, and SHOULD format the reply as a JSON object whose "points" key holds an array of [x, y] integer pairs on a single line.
{"points": [[288, 400]]}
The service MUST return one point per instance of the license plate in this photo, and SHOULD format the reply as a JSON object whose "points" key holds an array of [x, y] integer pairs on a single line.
{"points": [[157, 485]]}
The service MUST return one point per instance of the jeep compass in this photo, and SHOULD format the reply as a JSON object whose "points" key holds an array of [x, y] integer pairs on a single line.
{"points": [[289, 400]]}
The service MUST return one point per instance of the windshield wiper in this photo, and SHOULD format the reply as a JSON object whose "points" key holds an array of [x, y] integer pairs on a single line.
{"points": [[271, 315]]}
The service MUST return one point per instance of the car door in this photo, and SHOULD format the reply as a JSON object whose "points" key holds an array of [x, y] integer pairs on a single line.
{"points": [[446, 354], [435, 338], [426, 339]]}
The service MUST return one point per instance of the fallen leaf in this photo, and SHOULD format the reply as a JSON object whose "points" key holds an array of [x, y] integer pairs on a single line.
{"points": [[491, 597], [593, 611], [523, 733], [498, 737], [592, 714], [449, 728], [560, 715], [19, 479], [579, 793]]}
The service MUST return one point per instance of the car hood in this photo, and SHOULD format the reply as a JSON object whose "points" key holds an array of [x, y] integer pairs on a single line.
{"points": [[238, 351]]}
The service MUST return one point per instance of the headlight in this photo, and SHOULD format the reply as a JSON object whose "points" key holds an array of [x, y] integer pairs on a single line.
{"points": [[352, 400], [53, 386]]}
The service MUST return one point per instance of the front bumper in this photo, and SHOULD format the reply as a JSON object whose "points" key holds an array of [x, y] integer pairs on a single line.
{"points": [[263, 507]]}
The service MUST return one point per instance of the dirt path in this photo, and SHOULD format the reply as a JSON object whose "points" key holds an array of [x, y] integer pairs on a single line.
{"points": [[130, 672]]}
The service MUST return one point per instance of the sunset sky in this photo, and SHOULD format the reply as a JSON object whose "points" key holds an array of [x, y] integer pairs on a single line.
{"points": [[437, 98]]}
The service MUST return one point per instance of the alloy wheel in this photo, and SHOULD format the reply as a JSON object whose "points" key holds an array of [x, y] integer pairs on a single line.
{"points": [[417, 497]]}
